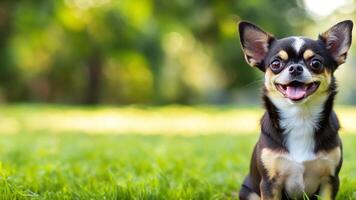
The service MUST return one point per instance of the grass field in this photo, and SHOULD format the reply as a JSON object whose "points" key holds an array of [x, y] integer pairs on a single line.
{"points": [[41, 163]]}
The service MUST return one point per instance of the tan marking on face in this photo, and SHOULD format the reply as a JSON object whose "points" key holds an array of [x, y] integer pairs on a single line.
{"points": [[327, 75], [325, 81], [270, 78], [308, 54], [283, 55]]}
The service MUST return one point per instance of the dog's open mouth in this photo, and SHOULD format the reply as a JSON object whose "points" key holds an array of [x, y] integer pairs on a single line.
{"points": [[296, 90]]}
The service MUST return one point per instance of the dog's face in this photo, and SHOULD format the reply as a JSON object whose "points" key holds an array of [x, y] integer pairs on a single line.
{"points": [[296, 68]]}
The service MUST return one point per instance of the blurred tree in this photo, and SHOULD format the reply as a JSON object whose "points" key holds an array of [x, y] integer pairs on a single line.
{"points": [[146, 51], [8, 73]]}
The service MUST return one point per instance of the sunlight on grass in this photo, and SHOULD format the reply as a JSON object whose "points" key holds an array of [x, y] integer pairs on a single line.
{"points": [[143, 120], [131, 166]]}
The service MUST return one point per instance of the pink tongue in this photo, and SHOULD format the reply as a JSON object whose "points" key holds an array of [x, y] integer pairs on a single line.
{"points": [[296, 93]]}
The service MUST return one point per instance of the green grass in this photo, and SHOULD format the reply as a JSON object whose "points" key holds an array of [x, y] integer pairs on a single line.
{"points": [[81, 166], [42, 164], [122, 167]]}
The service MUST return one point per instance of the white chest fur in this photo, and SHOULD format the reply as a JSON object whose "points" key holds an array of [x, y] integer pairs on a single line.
{"points": [[303, 167], [299, 124], [299, 121]]}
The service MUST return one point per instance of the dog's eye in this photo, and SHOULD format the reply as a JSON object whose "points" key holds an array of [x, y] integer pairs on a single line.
{"points": [[276, 65], [316, 64]]}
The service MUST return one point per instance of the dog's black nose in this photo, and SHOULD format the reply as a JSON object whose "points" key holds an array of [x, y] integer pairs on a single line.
{"points": [[295, 70]]}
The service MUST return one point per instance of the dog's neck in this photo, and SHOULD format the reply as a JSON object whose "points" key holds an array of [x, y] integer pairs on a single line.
{"points": [[297, 123]]}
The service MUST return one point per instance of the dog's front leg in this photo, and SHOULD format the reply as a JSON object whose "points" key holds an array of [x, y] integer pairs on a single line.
{"points": [[270, 190], [329, 188]]}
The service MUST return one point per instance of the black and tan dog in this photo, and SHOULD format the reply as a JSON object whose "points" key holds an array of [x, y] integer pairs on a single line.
{"points": [[299, 152]]}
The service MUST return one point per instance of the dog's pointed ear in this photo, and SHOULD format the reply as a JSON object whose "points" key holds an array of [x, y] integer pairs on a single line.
{"points": [[255, 43], [337, 40]]}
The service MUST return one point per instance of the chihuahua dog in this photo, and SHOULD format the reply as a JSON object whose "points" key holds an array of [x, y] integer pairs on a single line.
{"points": [[299, 151]]}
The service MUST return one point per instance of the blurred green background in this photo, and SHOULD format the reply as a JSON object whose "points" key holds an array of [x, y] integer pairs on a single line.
{"points": [[147, 51]]}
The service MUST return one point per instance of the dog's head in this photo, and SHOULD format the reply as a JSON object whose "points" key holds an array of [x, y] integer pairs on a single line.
{"points": [[296, 68]]}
